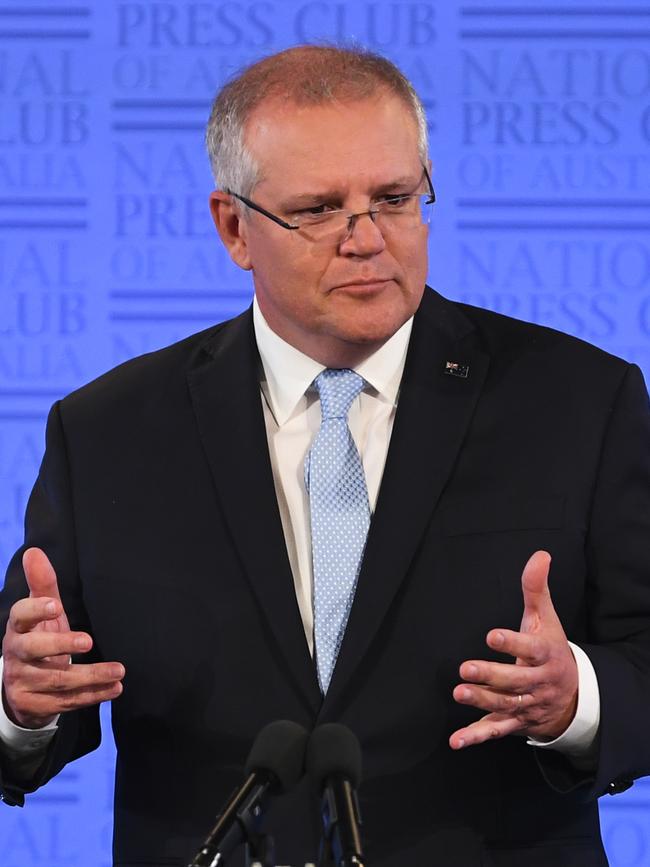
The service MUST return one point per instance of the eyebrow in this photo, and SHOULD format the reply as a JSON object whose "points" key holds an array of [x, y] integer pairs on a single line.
{"points": [[334, 194]]}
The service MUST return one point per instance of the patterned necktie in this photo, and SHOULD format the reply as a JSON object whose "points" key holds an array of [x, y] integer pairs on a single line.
{"points": [[340, 515]]}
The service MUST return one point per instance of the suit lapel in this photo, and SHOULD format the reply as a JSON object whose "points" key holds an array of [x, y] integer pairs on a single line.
{"points": [[434, 411], [225, 394]]}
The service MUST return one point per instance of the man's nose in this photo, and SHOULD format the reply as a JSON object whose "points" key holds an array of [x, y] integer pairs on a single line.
{"points": [[363, 236]]}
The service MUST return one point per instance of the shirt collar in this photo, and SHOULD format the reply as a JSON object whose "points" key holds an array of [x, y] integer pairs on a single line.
{"points": [[289, 372]]}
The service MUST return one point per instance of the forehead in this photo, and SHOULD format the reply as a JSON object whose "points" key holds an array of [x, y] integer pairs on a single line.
{"points": [[335, 141]]}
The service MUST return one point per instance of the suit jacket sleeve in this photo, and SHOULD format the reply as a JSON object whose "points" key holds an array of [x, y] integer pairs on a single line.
{"points": [[50, 525], [618, 601]]}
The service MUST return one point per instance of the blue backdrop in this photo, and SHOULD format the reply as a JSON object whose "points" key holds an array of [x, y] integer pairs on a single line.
{"points": [[540, 126]]}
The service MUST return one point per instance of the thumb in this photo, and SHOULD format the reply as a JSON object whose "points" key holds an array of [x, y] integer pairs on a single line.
{"points": [[534, 584], [40, 574]]}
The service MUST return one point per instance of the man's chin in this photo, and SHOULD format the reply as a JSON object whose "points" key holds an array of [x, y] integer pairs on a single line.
{"points": [[370, 334]]}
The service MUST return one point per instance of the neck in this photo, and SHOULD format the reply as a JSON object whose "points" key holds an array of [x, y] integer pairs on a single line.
{"points": [[341, 357]]}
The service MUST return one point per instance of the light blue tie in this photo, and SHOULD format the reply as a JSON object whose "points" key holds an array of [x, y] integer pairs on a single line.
{"points": [[340, 515]]}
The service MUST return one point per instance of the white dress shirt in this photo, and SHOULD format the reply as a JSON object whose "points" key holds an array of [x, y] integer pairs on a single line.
{"points": [[291, 410], [292, 416]]}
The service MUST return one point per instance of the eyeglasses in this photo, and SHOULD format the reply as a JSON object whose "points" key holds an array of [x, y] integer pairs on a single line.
{"points": [[393, 212]]}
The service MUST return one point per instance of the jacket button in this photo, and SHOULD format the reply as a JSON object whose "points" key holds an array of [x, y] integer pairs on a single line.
{"points": [[618, 786]]}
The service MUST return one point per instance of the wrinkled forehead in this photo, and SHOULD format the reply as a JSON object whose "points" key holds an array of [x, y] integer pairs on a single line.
{"points": [[338, 138]]}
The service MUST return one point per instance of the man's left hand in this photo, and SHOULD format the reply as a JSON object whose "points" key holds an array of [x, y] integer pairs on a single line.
{"points": [[537, 695]]}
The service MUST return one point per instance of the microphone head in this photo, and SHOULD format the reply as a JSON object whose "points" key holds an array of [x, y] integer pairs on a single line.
{"points": [[279, 749], [333, 751]]}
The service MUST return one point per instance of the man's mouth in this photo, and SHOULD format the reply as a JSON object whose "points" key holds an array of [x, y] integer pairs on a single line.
{"points": [[363, 285]]}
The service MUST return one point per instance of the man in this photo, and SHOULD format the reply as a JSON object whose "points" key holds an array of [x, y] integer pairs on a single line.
{"points": [[186, 527]]}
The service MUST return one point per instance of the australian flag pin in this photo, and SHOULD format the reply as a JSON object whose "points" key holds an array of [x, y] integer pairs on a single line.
{"points": [[455, 368]]}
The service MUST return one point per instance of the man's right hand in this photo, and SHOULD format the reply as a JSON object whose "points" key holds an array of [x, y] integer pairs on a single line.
{"points": [[38, 680]]}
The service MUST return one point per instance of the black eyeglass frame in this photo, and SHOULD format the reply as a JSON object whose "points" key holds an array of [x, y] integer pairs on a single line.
{"points": [[260, 210]]}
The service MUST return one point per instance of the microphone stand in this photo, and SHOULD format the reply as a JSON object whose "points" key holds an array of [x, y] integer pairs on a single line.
{"points": [[246, 807], [339, 798]]}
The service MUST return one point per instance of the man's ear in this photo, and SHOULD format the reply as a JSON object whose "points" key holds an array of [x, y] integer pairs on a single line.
{"points": [[231, 227]]}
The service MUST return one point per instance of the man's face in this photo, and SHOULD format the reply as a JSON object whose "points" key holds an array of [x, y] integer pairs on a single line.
{"points": [[336, 302]]}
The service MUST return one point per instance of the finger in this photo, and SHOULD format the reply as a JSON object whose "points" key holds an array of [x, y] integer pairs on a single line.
{"points": [[534, 584], [35, 679], [491, 700], [40, 574], [37, 646], [26, 614], [531, 648], [490, 727], [83, 676], [501, 675], [43, 706], [90, 696]]}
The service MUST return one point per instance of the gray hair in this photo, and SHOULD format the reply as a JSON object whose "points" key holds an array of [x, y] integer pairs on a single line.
{"points": [[305, 75]]}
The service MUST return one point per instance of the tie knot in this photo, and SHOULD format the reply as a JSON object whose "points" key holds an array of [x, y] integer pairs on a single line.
{"points": [[337, 390]]}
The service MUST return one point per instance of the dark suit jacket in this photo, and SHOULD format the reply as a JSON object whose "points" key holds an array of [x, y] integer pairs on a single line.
{"points": [[156, 503]]}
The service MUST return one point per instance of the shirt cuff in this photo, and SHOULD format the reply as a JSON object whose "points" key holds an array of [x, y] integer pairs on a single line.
{"points": [[579, 739], [18, 741]]}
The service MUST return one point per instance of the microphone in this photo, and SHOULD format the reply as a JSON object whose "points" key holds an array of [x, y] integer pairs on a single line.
{"points": [[333, 763], [275, 764]]}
